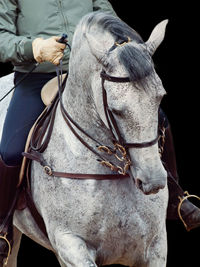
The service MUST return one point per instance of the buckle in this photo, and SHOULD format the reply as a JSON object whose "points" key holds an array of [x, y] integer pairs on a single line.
{"points": [[182, 199], [128, 40]]}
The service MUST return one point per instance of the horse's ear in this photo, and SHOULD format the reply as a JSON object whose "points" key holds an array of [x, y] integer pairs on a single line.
{"points": [[156, 36], [95, 47]]}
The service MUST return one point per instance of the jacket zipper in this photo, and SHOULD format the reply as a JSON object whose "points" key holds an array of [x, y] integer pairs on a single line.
{"points": [[61, 12]]}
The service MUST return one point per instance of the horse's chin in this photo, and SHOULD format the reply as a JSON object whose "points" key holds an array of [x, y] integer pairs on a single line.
{"points": [[148, 189]]}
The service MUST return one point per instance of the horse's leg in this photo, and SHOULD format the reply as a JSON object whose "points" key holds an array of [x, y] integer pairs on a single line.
{"points": [[157, 252], [12, 261], [73, 251]]}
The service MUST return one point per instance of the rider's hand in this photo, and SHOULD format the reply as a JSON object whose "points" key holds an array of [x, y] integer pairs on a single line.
{"points": [[48, 50]]}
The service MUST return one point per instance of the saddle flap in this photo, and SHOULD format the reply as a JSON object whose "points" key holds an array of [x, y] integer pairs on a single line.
{"points": [[50, 90]]}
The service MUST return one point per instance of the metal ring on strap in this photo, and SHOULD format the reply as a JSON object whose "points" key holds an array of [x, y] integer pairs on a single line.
{"points": [[182, 199]]}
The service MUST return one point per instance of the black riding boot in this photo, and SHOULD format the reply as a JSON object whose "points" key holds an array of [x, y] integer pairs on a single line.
{"points": [[8, 188], [179, 206]]}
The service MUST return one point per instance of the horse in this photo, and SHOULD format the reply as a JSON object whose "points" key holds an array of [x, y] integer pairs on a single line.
{"points": [[112, 95]]}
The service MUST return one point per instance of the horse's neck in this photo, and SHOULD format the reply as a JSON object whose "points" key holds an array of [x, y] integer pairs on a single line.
{"points": [[65, 149], [79, 103]]}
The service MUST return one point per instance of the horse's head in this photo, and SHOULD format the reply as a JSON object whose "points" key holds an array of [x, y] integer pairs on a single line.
{"points": [[134, 103]]}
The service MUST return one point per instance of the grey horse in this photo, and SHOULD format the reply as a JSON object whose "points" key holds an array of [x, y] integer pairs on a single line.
{"points": [[93, 222]]}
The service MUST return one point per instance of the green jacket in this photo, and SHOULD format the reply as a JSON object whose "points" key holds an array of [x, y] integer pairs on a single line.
{"points": [[21, 21]]}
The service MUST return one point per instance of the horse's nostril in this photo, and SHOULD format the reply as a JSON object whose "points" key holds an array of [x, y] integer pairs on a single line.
{"points": [[155, 190], [139, 184]]}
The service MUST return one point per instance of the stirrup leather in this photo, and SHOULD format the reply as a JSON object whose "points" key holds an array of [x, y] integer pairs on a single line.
{"points": [[182, 199], [9, 247]]}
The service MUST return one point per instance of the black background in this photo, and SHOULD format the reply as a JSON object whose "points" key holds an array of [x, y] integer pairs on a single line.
{"points": [[175, 62]]}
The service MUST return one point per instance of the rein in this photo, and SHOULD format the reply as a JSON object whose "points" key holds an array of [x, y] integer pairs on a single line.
{"points": [[101, 148]]}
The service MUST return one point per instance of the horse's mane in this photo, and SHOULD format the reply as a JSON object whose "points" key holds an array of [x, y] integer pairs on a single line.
{"points": [[135, 58]]}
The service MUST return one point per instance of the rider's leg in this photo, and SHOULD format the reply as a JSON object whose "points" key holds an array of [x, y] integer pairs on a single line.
{"points": [[25, 106], [189, 212], [8, 185]]}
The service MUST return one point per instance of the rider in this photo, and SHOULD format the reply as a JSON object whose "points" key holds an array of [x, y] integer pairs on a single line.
{"points": [[27, 32]]}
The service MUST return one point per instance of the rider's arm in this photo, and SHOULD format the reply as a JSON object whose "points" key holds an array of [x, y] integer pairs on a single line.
{"points": [[12, 47]]}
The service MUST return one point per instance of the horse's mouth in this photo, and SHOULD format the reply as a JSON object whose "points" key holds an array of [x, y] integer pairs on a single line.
{"points": [[138, 183]]}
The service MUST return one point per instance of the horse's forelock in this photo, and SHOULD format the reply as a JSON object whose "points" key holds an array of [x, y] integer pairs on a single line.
{"points": [[135, 59]]}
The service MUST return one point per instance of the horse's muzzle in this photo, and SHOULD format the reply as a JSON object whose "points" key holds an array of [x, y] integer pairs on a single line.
{"points": [[151, 186]]}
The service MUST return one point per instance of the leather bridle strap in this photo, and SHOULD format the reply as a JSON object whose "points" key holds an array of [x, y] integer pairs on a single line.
{"points": [[142, 145], [114, 79], [37, 156], [110, 117], [108, 113]]}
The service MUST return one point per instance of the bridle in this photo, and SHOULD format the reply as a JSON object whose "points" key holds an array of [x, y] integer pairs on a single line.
{"points": [[119, 152]]}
